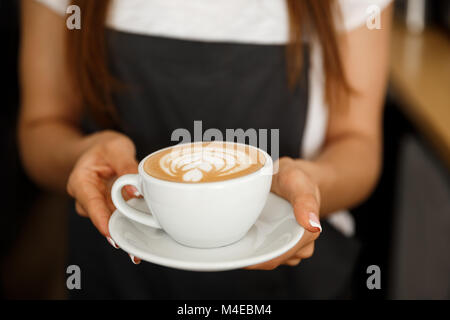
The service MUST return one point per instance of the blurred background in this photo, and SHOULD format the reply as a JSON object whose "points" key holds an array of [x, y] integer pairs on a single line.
{"points": [[404, 226]]}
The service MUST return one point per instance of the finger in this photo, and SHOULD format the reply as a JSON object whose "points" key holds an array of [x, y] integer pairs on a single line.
{"points": [[108, 196], [306, 208], [289, 179], [93, 200], [99, 213], [294, 185], [134, 259], [126, 195], [112, 242], [304, 242], [124, 163], [293, 262], [104, 172], [305, 252], [121, 155], [80, 210], [132, 192], [109, 202], [274, 263]]}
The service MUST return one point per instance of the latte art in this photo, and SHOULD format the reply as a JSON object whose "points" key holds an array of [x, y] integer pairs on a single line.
{"points": [[204, 162], [196, 165]]}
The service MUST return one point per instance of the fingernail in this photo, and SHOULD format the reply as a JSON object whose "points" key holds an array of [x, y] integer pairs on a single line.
{"points": [[132, 259], [136, 192], [111, 242], [314, 221]]}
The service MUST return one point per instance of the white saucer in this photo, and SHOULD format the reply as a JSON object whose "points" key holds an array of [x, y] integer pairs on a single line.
{"points": [[275, 232]]}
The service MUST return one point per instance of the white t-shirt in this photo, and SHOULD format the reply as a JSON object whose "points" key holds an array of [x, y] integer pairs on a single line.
{"points": [[248, 21]]}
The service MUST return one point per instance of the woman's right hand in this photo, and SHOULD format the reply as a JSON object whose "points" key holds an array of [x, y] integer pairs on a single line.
{"points": [[109, 155]]}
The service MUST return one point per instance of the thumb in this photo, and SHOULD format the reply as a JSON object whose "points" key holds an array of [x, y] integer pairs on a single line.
{"points": [[127, 165], [121, 156], [306, 210]]}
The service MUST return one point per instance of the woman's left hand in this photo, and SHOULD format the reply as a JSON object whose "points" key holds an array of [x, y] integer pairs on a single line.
{"points": [[293, 183]]}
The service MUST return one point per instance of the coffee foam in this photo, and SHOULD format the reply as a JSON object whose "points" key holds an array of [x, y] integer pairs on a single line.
{"points": [[204, 162]]}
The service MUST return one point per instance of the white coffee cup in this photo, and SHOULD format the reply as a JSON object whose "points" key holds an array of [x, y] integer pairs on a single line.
{"points": [[202, 215]]}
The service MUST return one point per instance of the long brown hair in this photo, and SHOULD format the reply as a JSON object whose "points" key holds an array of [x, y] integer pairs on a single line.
{"points": [[87, 58]]}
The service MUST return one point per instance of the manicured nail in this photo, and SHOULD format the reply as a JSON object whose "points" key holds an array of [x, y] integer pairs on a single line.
{"points": [[111, 242], [132, 259], [135, 192], [314, 221]]}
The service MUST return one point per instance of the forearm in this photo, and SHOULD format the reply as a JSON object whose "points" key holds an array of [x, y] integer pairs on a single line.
{"points": [[346, 171], [49, 150], [349, 165]]}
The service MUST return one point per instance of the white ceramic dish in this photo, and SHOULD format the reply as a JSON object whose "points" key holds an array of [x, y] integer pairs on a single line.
{"points": [[275, 232]]}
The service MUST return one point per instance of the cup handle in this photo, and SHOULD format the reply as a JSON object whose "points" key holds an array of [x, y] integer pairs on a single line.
{"points": [[124, 207]]}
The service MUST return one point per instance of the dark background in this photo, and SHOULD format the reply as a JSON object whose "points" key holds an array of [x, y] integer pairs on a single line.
{"points": [[33, 244]]}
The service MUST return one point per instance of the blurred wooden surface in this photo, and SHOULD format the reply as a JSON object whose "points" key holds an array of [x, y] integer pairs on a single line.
{"points": [[420, 79]]}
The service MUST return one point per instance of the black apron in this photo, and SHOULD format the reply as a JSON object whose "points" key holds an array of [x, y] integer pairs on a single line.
{"points": [[170, 84]]}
